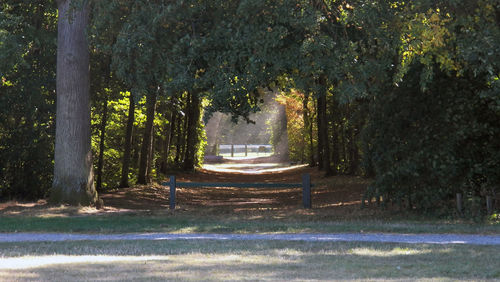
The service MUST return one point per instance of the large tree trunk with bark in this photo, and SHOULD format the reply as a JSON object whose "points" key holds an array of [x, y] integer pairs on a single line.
{"points": [[73, 175], [194, 112], [147, 140], [128, 143]]}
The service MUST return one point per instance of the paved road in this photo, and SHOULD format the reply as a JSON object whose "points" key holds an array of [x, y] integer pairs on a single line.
{"points": [[309, 237]]}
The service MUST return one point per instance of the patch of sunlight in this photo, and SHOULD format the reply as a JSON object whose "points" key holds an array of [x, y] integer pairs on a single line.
{"points": [[229, 259], [188, 229], [41, 261], [289, 252], [388, 253]]}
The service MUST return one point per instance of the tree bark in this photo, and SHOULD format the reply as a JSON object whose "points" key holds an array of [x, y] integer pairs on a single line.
{"points": [[324, 135], [193, 115], [353, 153], [128, 143], [335, 140], [323, 129], [169, 128], [73, 181], [319, 116], [147, 140], [308, 128], [102, 129], [183, 144], [178, 144]]}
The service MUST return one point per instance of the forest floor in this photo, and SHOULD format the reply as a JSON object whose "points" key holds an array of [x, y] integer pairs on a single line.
{"points": [[338, 196], [336, 202]]}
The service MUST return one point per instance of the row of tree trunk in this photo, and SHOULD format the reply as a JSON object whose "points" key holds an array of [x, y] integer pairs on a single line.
{"points": [[338, 127], [180, 132]]}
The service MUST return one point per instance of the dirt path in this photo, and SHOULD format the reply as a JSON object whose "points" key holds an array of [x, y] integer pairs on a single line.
{"points": [[341, 237], [342, 193], [332, 197]]}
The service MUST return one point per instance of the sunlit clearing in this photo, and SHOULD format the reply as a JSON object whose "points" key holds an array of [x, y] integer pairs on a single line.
{"points": [[32, 262]]}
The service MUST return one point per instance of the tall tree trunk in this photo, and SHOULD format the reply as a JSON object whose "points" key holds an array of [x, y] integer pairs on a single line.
{"points": [[194, 112], [147, 140], [128, 143], [323, 127], [102, 129], [183, 144], [353, 152], [73, 174], [346, 159], [335, 140], [169, 129], [319, 116], [178, 144], [150, 163], [308, 130], [324, 136]]}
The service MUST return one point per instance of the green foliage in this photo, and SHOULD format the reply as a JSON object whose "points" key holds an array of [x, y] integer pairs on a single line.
{"points": [[115, 135], [422, 77], [27, 99], [426, 146]]}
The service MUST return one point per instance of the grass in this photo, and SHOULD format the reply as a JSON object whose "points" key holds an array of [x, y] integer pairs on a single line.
{"points": [[248, 260], [191, 223]]}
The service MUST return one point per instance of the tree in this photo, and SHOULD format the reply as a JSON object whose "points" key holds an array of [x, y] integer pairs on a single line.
{"points": [[147, 140], [192, 139], [28, 31], [128, 143], [73, 171]]}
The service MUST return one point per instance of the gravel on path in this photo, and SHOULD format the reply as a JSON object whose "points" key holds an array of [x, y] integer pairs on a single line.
{"points": [[308, 237]]}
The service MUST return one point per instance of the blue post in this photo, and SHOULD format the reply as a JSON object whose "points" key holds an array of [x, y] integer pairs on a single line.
{"points": [[172, 192], [306, 191]]}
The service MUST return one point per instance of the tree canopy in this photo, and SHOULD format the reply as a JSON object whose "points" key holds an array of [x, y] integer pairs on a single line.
{"points": [[405, 92]]}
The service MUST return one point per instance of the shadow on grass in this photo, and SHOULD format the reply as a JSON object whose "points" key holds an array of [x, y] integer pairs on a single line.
{"points": [[225, 223], [213, 260]]}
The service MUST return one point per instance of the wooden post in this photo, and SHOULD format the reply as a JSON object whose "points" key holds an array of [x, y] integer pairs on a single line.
{"points": [[232, 150], [489, 204], [306, 191], [246, 150], [172, 192], [459, 203]]}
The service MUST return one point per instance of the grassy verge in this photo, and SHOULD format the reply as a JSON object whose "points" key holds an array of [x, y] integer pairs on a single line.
{"points": [[237, 260], [179, 223]]}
